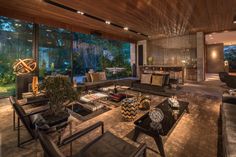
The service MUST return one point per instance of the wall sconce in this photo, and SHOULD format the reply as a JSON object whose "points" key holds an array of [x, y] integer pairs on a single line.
{"points": [[214, 54]]}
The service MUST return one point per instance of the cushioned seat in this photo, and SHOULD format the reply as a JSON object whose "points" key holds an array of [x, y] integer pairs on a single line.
{"points": [[105, 145], [108, 145]]}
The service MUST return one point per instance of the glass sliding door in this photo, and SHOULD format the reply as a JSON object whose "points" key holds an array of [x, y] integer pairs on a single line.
{"points": [[16, 39], [54, 51], [93, 52]]}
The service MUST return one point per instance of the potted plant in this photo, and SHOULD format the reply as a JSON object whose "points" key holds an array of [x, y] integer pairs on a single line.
{"points": [[59, 91]]}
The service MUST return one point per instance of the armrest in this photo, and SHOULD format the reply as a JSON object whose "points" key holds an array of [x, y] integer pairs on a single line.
{"points": [[227, 98], [82, 133], [35, 101], [141, 150], [43, 109]]}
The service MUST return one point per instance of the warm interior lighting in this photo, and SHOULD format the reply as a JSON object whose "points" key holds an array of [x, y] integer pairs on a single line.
{"points": [[214, 54], [108, 22], [126, 28], [80, 12], [234, 21], [138, 33]]}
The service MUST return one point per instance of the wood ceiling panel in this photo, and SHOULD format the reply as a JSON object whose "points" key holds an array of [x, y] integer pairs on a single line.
{"points": [[157, 18]]}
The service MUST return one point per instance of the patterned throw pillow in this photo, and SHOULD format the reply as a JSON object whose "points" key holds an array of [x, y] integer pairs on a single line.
{"points": [[157, 80], [95, 77], [146, 78]]}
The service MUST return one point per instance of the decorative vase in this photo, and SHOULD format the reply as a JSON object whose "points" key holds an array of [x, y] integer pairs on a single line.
{"points": [[35, 83], [129, 109], [156, 115], [144, 103]]}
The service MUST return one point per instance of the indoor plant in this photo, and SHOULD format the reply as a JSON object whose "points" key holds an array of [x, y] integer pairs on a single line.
{"points": [[59, 91]]}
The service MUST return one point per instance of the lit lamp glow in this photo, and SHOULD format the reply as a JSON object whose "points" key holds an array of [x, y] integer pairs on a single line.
{"points": [[213, 54]]}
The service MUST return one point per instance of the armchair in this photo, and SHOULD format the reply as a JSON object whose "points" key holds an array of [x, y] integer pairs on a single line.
{"points": [[106, 145], [25, 118], [31, 104]]}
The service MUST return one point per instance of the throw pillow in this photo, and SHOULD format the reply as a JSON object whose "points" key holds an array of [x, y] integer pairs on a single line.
{"points": [[88, 77], [95, 77], [102, 76], [146, 78], [157, 80]]}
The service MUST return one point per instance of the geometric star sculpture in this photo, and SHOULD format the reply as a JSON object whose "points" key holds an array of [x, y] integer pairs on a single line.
{"points": [[24, 66]]}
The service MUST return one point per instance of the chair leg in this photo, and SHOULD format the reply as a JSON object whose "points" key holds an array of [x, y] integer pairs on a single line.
{"points": [[14, 120], [19, 143], [18, 132]]}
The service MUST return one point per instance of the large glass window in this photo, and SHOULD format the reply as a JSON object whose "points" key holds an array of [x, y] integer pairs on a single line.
{"points": [[54, 51], [230, 58], [93, 52], [16, 39]]}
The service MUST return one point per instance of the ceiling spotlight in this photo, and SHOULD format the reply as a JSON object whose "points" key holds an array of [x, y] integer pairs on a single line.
{"points": [[108, 22], [80, 12], [126, 28], [234, 20]]}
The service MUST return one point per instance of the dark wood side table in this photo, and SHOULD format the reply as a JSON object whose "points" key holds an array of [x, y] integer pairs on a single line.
{"points": [[143, 124]]}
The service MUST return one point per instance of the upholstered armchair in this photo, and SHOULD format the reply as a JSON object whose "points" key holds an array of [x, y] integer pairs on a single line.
{"points": [[105, 145]]}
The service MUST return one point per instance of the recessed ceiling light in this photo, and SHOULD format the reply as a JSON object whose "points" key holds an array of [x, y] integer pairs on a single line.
{"points": [[80, 12], [126, 28], [108, 22]]}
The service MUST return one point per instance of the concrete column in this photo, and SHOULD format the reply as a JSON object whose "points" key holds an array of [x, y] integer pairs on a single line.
{"points": [[200, 57]]}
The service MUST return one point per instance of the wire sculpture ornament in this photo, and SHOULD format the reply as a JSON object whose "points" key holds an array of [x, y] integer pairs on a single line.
{"points": [[24, 66]]}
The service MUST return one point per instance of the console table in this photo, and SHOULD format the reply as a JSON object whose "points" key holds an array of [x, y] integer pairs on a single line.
{"points": [[143, 124]]}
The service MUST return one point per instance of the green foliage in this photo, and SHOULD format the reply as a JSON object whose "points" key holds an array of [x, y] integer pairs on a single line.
{"points": [[92, 52], [59, 91]]}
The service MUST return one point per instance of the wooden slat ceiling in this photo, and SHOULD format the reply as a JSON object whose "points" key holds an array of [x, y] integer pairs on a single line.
{"points": [[156, 18]]}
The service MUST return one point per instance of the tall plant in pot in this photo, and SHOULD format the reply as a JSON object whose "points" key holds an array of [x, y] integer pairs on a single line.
{"points": [[59, 91]]}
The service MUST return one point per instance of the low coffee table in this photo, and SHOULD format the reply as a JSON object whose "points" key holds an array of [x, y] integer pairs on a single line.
{"points": [[143, 124]]}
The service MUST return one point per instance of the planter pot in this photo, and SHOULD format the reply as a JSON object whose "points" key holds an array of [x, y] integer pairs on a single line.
{"points": [[52, 120]]}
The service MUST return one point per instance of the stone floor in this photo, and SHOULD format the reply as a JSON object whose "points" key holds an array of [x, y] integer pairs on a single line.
{"points": [[195, 135]]}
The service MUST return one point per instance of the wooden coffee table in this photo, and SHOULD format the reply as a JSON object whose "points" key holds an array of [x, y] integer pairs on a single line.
{"points": [[143, 124]]}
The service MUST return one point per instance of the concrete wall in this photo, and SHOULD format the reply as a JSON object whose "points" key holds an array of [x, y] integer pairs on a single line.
{"points": [[215, 58], [172, 51], [200, 56]]}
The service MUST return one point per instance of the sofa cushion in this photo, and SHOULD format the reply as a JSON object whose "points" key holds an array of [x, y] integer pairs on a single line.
{"points": [[95, 77], [157, 80], [88, 77], [102, 76], [146, 78]]}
